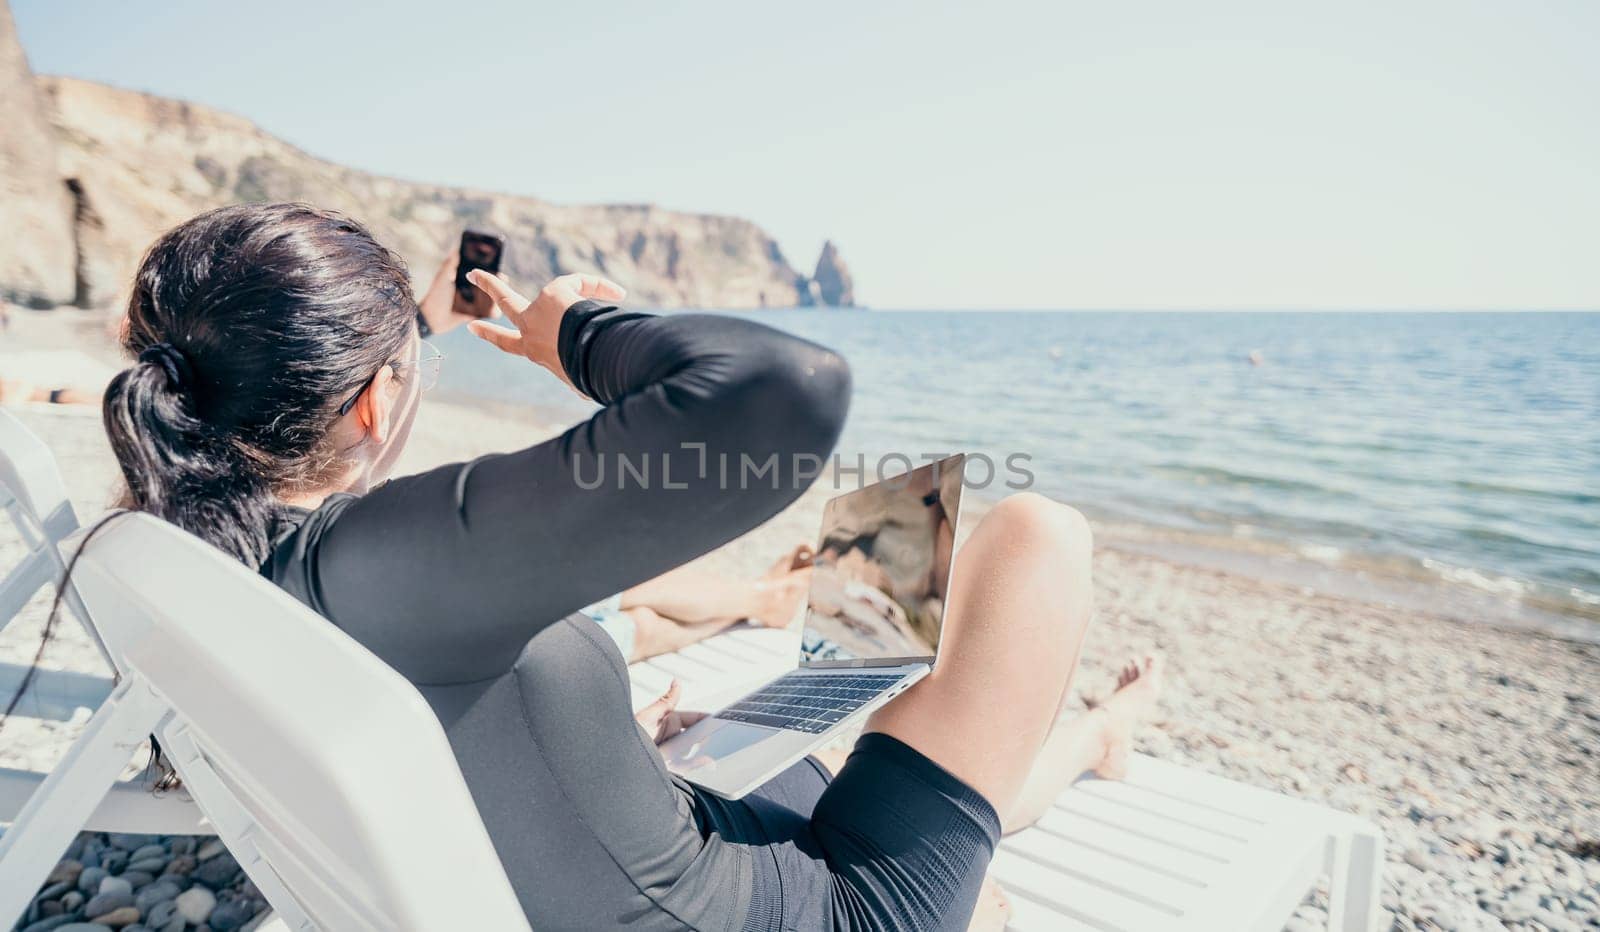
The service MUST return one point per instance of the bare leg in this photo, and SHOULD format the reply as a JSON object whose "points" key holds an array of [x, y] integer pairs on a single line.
{"points": [[1019, 608], [17, 390], [1098, 740], [67, 396], [654, 635], [692, 595]]}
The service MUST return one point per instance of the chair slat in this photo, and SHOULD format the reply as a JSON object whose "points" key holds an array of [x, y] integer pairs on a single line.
{"points": [[1209, 790], [682, 667], [1186, 811], [719, 663], [1152, 826], [1127, 846], [1134, 881], [1030, 915], [737, 650], [1076, 897]]}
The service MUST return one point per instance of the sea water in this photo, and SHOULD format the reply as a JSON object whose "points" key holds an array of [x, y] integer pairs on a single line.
{"points": [[1459, 452]]}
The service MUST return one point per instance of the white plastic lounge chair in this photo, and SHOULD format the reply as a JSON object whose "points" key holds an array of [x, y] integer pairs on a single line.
{"points": [[1169, 848], [34, 498], [323, 771]]}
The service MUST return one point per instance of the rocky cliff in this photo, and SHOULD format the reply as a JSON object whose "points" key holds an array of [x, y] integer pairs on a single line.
{"points": [[36, 264], [91, 174]]}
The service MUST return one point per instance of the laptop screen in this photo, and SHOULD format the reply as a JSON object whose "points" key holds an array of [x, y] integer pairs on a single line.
{"points": [[882, 570]]}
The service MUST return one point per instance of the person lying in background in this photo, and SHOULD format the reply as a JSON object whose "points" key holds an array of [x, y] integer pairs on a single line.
{"points": [[689, 604], [21, 391]]}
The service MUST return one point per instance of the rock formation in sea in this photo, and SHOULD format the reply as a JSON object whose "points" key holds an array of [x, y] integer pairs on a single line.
{"points": [[91, 174], [834, 286]]}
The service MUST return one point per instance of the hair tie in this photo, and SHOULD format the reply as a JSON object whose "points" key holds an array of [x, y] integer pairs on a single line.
{"points": [[180, 374]]}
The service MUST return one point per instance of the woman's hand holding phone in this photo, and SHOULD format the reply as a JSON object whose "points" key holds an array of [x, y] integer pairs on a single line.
{"points": [[438, 301], [537, 323]]}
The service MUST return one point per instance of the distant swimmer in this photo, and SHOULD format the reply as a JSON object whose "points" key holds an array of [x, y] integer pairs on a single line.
{"points": [[1257, 357]]}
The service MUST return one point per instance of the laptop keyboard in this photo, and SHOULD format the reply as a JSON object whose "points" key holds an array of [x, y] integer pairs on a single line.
{"points": [[812, 703]]}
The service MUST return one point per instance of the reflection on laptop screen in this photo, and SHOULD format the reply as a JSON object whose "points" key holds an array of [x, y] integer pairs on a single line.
{"points": [[883, 568]]}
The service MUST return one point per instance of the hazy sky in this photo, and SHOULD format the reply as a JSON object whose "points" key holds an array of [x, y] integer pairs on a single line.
{"points": [[1087, 155]]}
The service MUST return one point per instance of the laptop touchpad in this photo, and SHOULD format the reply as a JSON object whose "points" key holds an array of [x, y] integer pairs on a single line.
{"points": [[709, 741]]}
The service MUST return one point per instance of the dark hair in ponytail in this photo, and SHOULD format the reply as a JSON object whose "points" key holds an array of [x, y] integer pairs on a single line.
{"points": [[250, 324]]}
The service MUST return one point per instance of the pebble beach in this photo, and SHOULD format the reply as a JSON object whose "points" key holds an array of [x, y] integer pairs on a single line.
{"points": [[1475, 748]]}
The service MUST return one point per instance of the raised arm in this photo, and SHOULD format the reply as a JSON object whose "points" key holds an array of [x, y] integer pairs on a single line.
{"points": [[711, 425]]}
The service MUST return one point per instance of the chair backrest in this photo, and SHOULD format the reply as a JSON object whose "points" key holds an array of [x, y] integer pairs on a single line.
{"points": [[324, 771]]}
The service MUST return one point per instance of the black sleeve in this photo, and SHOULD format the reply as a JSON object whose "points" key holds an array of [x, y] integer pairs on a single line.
{"points": [[711, 425]]}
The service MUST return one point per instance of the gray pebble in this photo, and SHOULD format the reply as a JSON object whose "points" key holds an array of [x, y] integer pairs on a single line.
{"points": [[137, 878], [118, 918], [195, 904], [57, 922], [147, 865], [66, 871], [89, 879], [115, 885], [104, 903], [162, 913], [217, 872], [231, 915], [183, 844], [114, 860], [161, 891], [72, 901], [210, 849], [128, 841], [148, 851]]}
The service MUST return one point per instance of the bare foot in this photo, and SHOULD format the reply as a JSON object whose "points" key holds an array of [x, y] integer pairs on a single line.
{"points": [[798, 558], [778, 598], [993, 910], [1138, 690]]}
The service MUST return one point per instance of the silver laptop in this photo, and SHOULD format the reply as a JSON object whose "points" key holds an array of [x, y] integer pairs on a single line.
{"points": [[873, 615]]}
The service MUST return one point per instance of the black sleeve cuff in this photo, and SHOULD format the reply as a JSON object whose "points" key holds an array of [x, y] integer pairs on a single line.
{"points": [[575, 340]]}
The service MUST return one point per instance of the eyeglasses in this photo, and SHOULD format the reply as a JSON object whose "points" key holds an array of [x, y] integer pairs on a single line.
{"points": [[428, 362]]}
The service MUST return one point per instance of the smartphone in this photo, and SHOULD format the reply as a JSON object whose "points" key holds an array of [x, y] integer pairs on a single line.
{"points": [[478, 251]]}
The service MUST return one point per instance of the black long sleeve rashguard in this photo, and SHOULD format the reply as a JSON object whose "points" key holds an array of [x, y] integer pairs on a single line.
{"points": [[464, 579], [467, 579]]}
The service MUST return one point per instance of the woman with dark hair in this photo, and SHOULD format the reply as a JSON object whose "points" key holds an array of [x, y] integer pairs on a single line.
{"points": [[279, 369]]}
